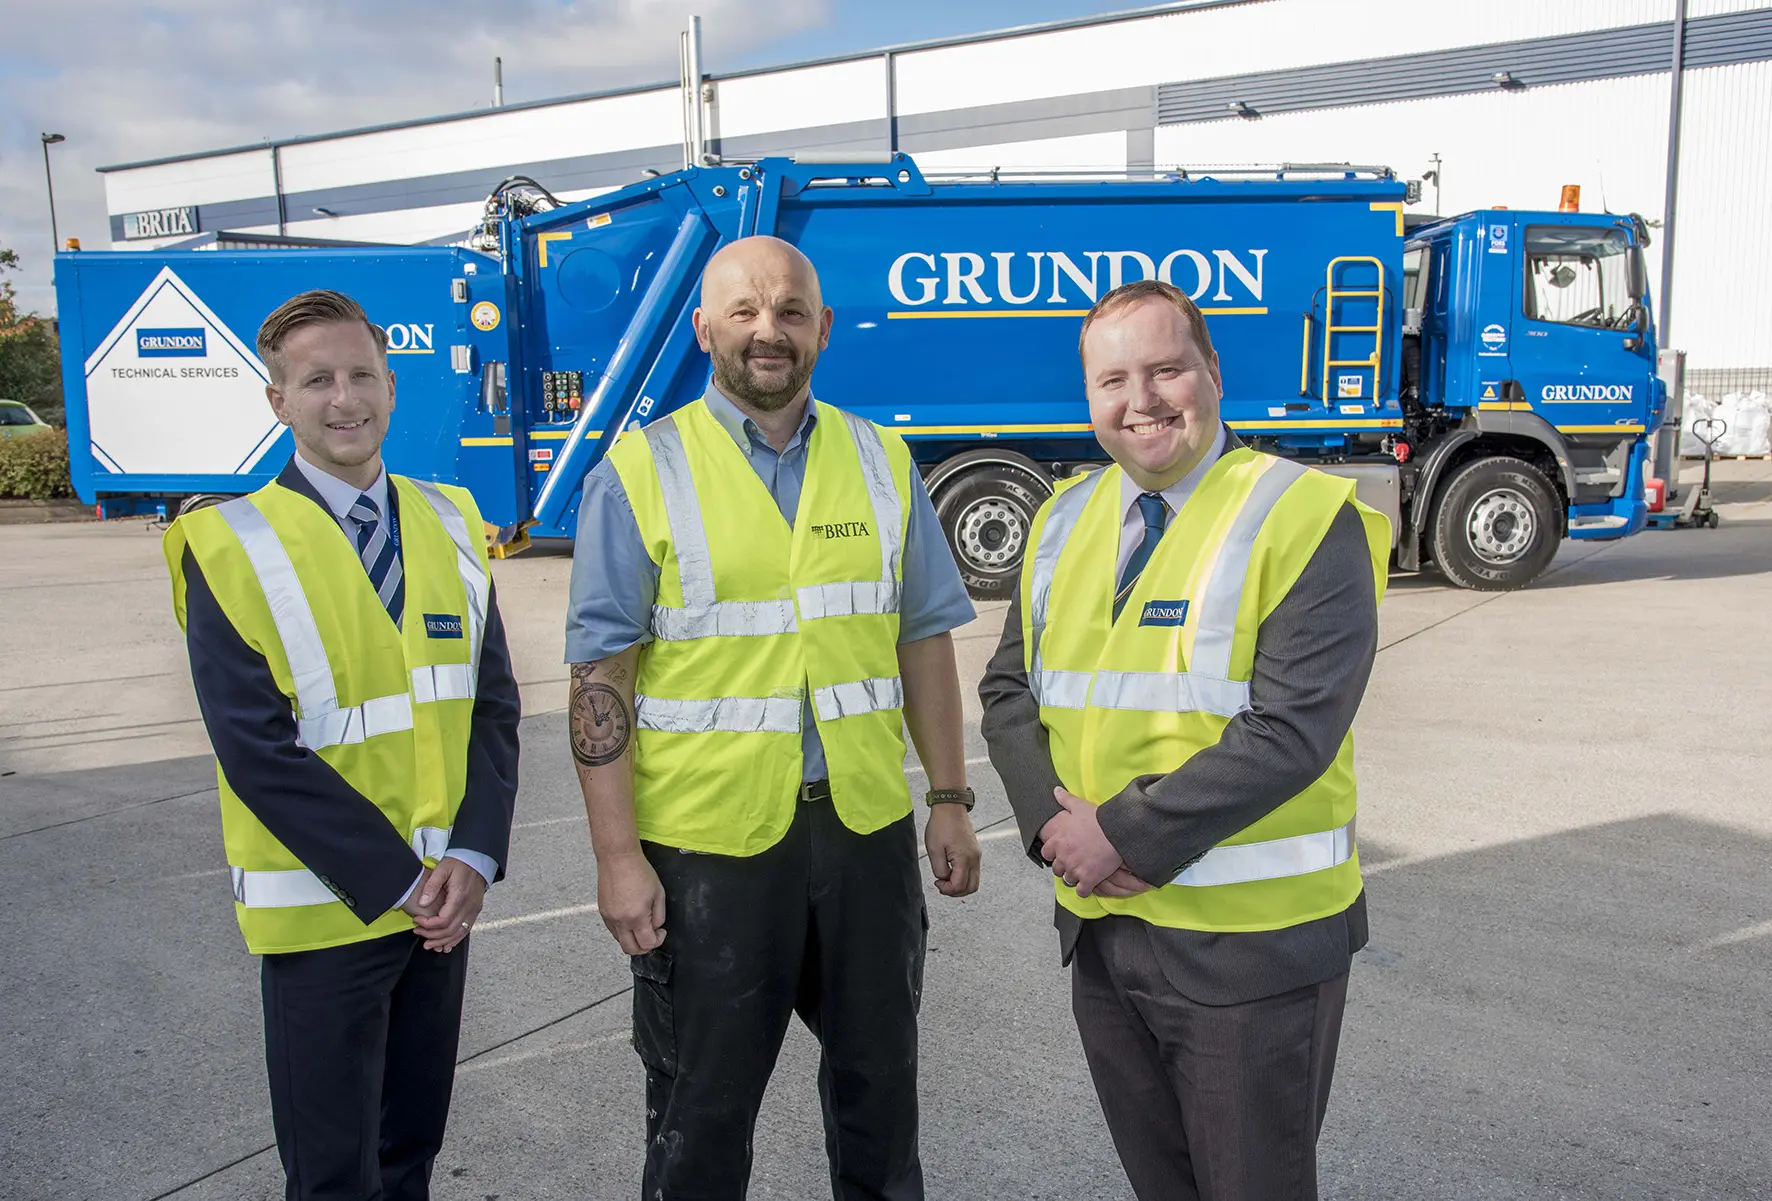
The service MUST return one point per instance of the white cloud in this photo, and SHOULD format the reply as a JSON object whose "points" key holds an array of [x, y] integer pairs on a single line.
{"points": [[126, 80]]}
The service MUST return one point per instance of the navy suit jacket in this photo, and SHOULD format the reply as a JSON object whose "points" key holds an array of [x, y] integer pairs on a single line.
{"points": [[336, 831]]}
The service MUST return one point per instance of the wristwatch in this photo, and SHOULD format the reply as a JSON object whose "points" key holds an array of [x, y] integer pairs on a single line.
{"points": [[950, 796]]}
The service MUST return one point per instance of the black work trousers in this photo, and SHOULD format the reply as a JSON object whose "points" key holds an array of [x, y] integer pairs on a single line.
{"points": [[828, 924], [360, 1042], [1204, 1102]]}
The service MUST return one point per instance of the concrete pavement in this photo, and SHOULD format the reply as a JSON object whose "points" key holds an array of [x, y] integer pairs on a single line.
{"points": [[1564, 828]]}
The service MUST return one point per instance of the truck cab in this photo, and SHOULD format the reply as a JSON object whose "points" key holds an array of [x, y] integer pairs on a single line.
{"points": [[1528, 386]]}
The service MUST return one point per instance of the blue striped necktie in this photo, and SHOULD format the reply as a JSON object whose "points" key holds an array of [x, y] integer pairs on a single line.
{"points": [[380, 555], [1156, 516]]}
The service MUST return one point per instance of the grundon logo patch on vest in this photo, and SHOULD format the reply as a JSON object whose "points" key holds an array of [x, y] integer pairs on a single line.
{"points": [[442, 625], [1164, 613], [840, 529]]}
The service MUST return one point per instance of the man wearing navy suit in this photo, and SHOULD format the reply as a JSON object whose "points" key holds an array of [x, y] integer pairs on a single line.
{"points": [[351, 667]]}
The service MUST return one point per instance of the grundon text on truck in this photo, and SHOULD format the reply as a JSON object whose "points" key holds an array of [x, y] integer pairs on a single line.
{"points": [[1488, 380]]}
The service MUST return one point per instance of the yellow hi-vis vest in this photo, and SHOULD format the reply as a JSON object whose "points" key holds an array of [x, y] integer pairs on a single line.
{"points": [[389, 708], [749, 614], [1144, 694]]}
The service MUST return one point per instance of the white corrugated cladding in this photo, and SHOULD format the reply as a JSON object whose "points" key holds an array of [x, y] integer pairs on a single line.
{"points": [[1496, 148], [1092, 96], [196, 181], [778, 100], [1264, 35], [495, 140], [1722, 289], [1104, 152]]}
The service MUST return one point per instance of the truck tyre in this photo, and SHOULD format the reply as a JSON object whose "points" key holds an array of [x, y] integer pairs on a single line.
{"points": [[986, 514], [1497, 525]]}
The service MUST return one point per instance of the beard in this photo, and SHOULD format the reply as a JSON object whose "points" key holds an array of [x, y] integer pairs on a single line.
{"points": [[737, 379]]}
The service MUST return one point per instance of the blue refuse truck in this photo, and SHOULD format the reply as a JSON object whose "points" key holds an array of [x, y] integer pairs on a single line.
{"points": [[1488, 380]]}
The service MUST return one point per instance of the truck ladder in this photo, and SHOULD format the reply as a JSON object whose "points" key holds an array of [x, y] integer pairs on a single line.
{"points": [[1330, 328]]}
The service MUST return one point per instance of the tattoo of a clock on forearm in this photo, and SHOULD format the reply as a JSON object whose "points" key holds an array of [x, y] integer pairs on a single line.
{"points": [[601, 726]]}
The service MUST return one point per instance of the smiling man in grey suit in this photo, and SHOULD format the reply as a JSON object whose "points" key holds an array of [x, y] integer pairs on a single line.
{"points": [[1170, 709]]}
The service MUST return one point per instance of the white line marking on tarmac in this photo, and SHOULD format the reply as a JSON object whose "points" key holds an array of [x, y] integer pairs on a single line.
{"points": [[546, 915], [548, 821], [1012, 832], [1745, 934], [540, 1053]]}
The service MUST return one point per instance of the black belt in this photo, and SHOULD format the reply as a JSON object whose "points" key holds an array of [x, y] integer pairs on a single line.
{"points": [[815, 790]]}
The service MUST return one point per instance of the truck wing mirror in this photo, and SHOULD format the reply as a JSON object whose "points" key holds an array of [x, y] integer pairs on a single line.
{"points": [[1636, 280], [492, 387]]}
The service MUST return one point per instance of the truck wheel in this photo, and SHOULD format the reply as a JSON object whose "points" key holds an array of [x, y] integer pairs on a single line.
{"points": [[986, 514], [1497, 525]]}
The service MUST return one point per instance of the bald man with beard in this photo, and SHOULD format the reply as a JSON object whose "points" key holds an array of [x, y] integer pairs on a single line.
{"points": [[761, 604]]}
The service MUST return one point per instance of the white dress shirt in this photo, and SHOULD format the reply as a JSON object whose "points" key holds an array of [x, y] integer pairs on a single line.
{"points": [[339, 497], [1174, 496]]}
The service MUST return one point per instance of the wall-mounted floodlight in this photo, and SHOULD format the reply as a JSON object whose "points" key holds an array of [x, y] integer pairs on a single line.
{"points": [[1239, 108], [1505, 79], [320, 212]]}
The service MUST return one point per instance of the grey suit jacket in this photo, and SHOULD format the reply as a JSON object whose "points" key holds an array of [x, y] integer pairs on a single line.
{"points": [[1313, 656]]}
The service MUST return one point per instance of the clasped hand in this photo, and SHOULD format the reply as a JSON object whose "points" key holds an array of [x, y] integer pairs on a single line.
{"points": [[1081, 855], [445, 903]]}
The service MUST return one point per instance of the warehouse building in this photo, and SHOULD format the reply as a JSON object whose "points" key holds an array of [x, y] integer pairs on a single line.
{"points": [[1496, 106]]}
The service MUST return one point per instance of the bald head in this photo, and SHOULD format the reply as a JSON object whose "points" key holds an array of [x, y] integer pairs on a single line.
{"points": [[758, 263], [762, 321]]}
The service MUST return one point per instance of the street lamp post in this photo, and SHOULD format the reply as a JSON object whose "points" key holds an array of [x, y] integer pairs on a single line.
{"points": [[50, 139]]}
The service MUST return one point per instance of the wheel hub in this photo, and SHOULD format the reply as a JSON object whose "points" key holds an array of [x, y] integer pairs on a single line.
{"points": [[990, 534], [1502, 526]]}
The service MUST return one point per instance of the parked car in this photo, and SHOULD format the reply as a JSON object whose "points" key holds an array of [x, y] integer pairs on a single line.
{"points": [[17, 420]]}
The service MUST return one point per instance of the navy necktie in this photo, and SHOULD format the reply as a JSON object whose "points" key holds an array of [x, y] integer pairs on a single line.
{"points": [[1156, 516], [380, 555]]}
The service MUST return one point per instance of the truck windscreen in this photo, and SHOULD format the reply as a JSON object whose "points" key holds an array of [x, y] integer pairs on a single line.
{"points": [[1579, 276]]}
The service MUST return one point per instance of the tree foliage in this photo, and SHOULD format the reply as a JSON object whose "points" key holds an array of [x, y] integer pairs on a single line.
{"points": [[30, 353]]}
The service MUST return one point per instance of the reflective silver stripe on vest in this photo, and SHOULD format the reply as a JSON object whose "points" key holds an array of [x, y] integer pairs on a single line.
{"points": [[701, 615], [1061, 521], [728, 714], [1060, 689], [858, 696], [467, 561], [1296, 856], [876, 472], [444, 682], [723, 619], [380, 715], [429, 842], [1170, 692], [1216, 633], [844, 600], [315, 693], [288, 889]]}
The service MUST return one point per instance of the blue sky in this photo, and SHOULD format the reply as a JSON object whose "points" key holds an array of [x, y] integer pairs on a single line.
{"points": [[133, 79]]}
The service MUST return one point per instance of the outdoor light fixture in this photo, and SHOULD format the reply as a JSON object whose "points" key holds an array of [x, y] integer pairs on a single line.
{"points": [[50, 139], [320, 212], [1241, 109], [1505, 79]]}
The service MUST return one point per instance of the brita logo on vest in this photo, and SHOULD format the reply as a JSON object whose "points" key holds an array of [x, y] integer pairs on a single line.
{"points": [[841, 529], [1164, 613], [442, 625], [171, 343]]}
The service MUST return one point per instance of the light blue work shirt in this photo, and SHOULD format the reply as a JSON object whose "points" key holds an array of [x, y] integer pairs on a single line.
{"points": [[614, 580]]}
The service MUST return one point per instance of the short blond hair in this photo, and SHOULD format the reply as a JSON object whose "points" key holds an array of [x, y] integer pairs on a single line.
{"points": [[319, 307], [1127, 295]]}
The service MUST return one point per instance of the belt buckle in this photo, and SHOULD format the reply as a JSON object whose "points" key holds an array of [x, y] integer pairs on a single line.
{"points": [[815, 790]]}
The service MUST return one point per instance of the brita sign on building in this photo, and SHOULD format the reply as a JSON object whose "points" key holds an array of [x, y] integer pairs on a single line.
{"points": [[161, 223]]}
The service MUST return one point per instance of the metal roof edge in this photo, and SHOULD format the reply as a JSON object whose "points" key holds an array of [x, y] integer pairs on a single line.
{"points": [[1015, 31]]}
